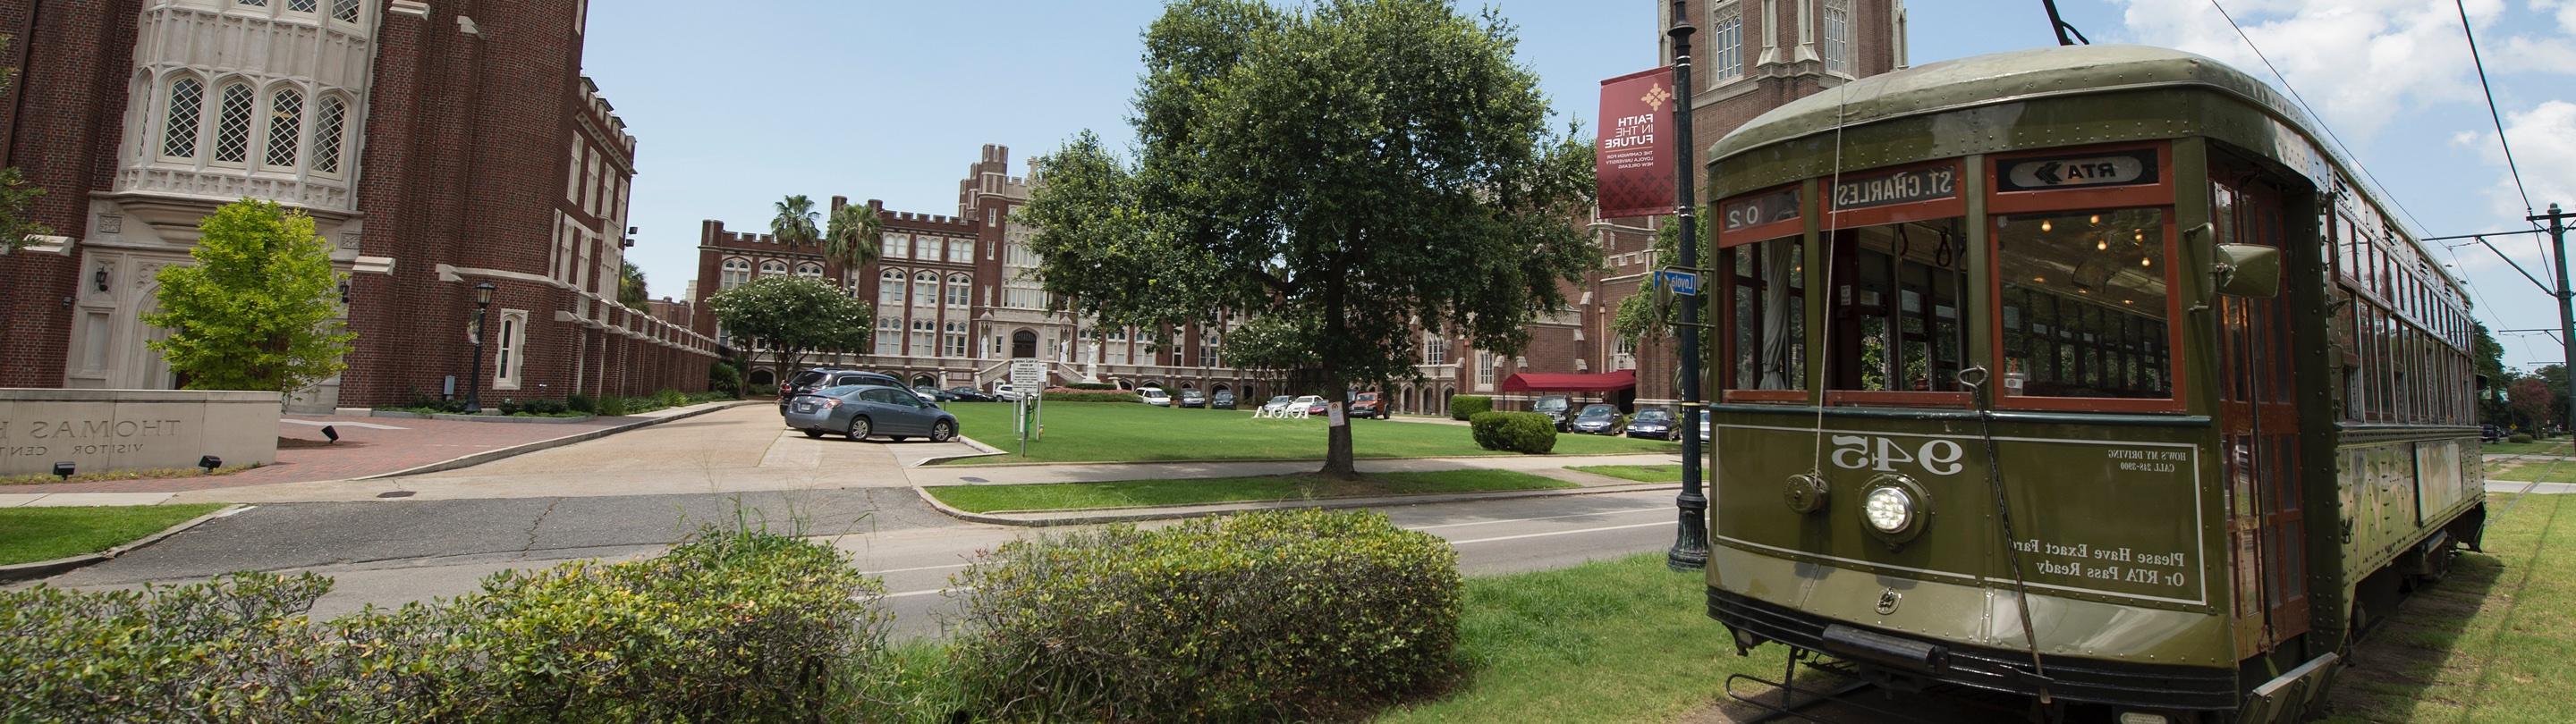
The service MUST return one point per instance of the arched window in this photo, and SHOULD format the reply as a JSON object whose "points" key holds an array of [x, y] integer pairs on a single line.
{"points": [[772, 267], [285, 125], [330, 117], [736, 272], [232, 124], [925, 289], [187, 104], [952, 341], [810, 270], [890, 334], [345, 10], [890, 289], [961, 290], [924, 341]]}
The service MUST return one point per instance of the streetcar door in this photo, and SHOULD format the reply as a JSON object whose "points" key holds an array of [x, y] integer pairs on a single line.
{"points": [[2260, 425]]}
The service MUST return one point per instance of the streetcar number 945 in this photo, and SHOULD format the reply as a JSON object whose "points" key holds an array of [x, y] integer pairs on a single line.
{"points": [[1862, 452]]}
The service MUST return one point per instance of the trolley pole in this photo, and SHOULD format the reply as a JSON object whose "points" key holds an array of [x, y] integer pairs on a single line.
{"points": [[2566, 299], [1690, 544]]}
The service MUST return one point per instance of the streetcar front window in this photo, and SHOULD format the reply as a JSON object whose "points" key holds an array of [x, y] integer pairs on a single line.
{"points": [[1897, 312], [1770, 315], [2085, 304]]}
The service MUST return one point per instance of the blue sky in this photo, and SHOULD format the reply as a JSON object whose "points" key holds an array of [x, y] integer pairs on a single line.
{"points": [[891, 101]]}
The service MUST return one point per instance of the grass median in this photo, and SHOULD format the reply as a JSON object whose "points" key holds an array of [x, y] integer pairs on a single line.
{"points": [[2543, 471], [1639, 473], [1151, 493], [44, 534], [1119, 432]]}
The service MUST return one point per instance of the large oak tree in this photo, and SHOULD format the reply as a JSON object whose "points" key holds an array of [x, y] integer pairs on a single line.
{"points": [[1342, 177]]}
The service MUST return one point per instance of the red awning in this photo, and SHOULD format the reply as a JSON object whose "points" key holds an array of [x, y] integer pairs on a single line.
{"points": [[1541, 382]]}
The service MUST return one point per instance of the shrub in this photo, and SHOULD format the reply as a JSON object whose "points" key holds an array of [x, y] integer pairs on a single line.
{"points": [[1060, 394], [537, 407], [670, 398], [612, 406], [581, 403], [1526, 432], [1463, 407], [730, 625], [1259, 616], [725, 378], [1092, 386], [2519, 437]]}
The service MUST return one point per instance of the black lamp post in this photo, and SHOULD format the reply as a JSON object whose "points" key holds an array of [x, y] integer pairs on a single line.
{"points": [[474, 388], [1690, 543]]}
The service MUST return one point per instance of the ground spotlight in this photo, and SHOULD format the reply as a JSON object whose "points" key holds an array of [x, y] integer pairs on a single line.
{"points": [[331, 433], [210, 462], [63, 470]]}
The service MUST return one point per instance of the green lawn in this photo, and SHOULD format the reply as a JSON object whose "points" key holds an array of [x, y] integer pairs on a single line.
{"points": [[1635, 635], [1143, 493], [1105, 431], [44, 534], [2546, 471], [2546, 447], [2493, 642], [1639, 473]]}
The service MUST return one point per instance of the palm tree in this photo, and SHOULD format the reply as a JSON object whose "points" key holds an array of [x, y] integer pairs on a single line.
{"points": [[852, 235], [795, 222], [630, 287]]}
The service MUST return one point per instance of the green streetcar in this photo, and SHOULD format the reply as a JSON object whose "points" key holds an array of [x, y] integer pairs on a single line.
{"points": [[2083, 373]]}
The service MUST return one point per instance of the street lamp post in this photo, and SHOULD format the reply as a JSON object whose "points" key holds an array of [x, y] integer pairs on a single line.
{"points": [[474, 383], [1690, 543]]}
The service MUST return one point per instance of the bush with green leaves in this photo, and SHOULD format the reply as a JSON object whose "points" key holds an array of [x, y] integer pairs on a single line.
{"points": [[1070, 395], [1526, 432], [539, 407], [725, 378], [1092, 386], [1259, 616], [2519, 437], [1462, 407], [731, 625], [578, 402], [612, 406]]}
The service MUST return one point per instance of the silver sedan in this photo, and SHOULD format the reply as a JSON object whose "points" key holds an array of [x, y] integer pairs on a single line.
{"points": [[859, 411]]}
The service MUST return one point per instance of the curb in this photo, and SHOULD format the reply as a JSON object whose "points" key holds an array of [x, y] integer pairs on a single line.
{"points": [[987, 450], [1271, 460], [548, 444], [45, 569], [1145, 514]]}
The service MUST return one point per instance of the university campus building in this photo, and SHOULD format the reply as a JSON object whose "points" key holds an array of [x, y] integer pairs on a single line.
{"points": [[437, 146], [956, 297]]}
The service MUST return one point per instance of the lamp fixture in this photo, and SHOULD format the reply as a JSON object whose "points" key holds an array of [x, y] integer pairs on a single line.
{"points": [[483, 293], [99, 278]]}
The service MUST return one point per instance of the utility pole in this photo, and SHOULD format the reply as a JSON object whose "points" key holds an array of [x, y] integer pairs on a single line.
{"points": [[2566, 299], [1690, 544]]}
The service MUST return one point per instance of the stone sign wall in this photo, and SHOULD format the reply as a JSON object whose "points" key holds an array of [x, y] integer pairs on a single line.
{"points": [[104, 430]]}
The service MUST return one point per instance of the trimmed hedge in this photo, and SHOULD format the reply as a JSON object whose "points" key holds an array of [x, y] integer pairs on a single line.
{"points": [[1465, 407], [1092, 386], [1062, 394], [1525, 432], [729, 626], [2519, 437], [1255, 617]]}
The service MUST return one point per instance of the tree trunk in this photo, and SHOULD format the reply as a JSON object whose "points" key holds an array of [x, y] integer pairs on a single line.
{"points": [[1337, 425]]}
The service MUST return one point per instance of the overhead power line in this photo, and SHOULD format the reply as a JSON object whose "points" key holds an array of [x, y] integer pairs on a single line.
{"points": [[2492, 113], [2312, 113]]}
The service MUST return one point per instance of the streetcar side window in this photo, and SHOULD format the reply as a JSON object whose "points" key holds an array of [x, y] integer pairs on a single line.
{"points": [[2085, 304], [1770, 315], [1899, 307]]}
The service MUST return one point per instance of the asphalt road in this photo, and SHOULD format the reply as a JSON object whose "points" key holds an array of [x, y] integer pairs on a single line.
{"points": [[394, 551]]}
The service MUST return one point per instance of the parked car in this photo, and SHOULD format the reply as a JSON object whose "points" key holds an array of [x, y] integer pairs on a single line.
{"points": [[968, 394], [1368, 404], [936, 394], [1596, 419], [1654, 423], [818, 378], [1193, 398], [2490, 433], [1004, 392], [1222, 400], [1554, 407], [861, 411], [1278, 404], [1703, 426], [1155, 396], [1314, 404], [926, 397]]}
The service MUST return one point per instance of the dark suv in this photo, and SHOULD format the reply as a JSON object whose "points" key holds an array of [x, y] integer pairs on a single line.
{"points": [[820, 377], [1554, 407]]}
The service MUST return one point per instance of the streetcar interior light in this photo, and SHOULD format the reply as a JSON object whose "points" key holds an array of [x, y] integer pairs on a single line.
{"points": [[2097, 218], [2146, 261], [1889, 510], [2044, 226], [2103, 245]]}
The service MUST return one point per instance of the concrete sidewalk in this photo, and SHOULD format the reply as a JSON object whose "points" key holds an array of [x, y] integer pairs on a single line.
{"points": [[1094, 516], [1548, 465]]}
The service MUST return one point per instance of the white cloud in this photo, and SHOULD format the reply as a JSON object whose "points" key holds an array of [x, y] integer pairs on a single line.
{"points": [[2544, 146], [2565, 9], [2355, 61]]}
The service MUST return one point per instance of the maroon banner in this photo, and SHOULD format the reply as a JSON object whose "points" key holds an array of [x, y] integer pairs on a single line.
{"points": [[1633, 161]]}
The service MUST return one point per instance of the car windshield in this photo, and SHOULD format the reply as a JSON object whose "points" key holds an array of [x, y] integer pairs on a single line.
{"points": [[1150, 392], [1549, 404], [1600, 411], [1366, 396], [1653, 414], [1282, 398]]}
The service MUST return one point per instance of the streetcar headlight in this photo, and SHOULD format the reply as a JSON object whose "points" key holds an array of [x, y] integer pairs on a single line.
{"points": [[1888, 509]]}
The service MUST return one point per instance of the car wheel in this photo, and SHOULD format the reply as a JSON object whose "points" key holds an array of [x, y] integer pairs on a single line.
{"points": [[943, 431], [814, 434], [859, 428]]}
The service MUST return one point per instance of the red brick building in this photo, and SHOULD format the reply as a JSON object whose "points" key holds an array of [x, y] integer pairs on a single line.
{"points": [[437, 146]]}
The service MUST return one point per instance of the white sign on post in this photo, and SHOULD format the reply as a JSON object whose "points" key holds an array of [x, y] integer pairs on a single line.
{"points": [[1028, 375]]}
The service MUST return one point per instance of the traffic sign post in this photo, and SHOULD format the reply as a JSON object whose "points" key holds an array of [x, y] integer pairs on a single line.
{"points": [[1028, 380], [1684, 283]]}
